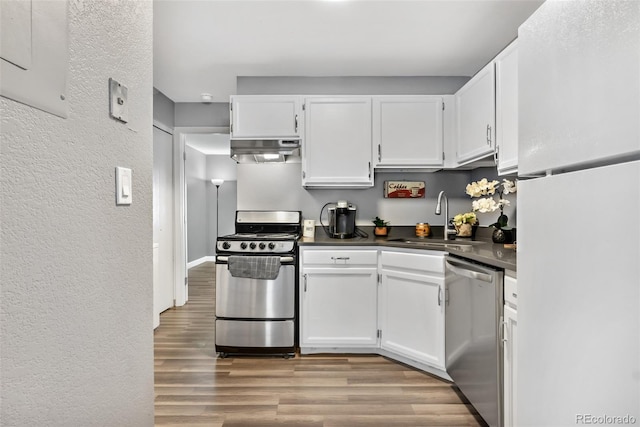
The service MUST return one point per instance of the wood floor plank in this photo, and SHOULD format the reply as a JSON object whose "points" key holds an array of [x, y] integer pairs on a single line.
{"points": [[193, 387]]}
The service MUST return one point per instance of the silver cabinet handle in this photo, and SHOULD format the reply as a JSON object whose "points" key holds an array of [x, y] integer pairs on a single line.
{"points": [[439, 295], [488, 134], [379, 153], [369, 170], [305, 282], [296, 123], [495, 154], [340, 258]]}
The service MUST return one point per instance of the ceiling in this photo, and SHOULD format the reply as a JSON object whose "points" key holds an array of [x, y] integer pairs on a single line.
{"points": [[204, 45], [210, 143]]}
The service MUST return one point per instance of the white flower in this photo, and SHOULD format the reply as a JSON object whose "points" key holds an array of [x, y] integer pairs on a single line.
{"points": [[509, 186], [484, 205], [503, 202]]}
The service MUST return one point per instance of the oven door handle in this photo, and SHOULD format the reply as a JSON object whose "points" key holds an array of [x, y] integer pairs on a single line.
{"points": [[283, 259]]}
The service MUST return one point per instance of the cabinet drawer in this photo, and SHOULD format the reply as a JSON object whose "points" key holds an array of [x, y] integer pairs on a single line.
{"points": [[420, 262], [511, 291], [333, 257]]}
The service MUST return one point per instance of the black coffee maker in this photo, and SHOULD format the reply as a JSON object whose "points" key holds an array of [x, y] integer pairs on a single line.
{"points": [[342, 220]]}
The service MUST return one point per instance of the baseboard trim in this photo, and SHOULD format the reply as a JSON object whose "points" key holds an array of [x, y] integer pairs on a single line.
{"points": [[202, 260]]}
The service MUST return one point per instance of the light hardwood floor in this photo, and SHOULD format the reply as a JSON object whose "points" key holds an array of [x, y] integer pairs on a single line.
{"points": [[194, 387]]}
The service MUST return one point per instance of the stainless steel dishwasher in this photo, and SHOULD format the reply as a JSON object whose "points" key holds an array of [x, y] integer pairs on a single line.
{"points": [[473, 351]]}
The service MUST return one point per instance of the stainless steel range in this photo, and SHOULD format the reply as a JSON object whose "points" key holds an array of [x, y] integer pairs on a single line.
{"points": [[256, 284]]}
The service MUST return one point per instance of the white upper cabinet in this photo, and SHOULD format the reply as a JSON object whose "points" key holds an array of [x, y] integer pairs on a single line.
{"points": [[507, 109], [336, 151], [259, 116], [407, 131], [475, 117], [579, 98]]}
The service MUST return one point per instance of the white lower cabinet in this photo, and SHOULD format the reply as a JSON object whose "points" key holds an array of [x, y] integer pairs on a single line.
{"points": [[349, 298], [510, 349], [338, 299], [412, 306]]}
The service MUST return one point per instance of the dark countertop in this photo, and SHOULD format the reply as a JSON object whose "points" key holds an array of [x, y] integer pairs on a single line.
{"points": [[482, 250]]}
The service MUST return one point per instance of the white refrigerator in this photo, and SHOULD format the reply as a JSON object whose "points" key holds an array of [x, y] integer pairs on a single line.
{"points": [[579, 215]]}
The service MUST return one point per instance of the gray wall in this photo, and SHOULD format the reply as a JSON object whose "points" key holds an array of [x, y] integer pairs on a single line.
{"points": [[222, 166], [278, 186], [76, 310], [197, 205], [163, 109], [201, 201], [349, 85], [197, 114]]}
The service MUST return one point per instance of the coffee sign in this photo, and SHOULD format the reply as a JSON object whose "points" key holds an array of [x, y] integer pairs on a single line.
{"points": [[404, 189]]}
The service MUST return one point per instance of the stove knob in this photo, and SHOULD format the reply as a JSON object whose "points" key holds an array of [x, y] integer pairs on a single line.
{"points": [[252, 245], [272, 245], [262, 245], [243, 245], [226, 245]]}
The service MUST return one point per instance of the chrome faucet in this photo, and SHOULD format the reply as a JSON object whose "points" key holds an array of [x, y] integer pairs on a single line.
{"points": [[441, 196]]}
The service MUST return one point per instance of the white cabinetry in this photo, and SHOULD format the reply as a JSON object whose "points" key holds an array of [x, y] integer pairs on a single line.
{"points": [[510, 347], [412, 306], [407, 131], [338, 299], [506, 64], [475, 117], [336, 151], [276, 116]]}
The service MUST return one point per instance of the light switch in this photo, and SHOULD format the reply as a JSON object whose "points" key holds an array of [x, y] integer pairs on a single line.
{"points": [[124, 186]]}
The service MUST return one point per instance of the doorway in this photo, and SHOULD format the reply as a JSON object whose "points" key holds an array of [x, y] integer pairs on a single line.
{"points": [[163, 223]]}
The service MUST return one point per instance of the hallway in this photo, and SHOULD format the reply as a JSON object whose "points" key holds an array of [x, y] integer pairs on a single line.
{"points": [[193, 387]]}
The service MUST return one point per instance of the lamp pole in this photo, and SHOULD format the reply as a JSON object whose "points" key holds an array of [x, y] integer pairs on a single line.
{"points": [[217, 182]]}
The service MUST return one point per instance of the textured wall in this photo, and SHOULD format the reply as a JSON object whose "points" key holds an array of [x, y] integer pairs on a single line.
{"points": [[75, 270]]}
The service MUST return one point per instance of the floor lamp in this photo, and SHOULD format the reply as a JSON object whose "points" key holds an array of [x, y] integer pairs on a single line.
{"points": [[217, 182]]}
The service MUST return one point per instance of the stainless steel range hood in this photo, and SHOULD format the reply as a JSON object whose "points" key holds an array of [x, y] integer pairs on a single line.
{"points": [[264, 150]]}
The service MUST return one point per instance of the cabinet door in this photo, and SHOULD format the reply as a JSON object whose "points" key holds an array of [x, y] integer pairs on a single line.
{"points": [[337, 144], [407, 131], [510, 340], [265, 116], [507, 109], [412, 316], [339, 307], [475, 116]]}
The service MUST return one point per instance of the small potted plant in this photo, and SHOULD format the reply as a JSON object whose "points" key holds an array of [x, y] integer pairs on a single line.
{"points": [[465, 224], [382, 227]]}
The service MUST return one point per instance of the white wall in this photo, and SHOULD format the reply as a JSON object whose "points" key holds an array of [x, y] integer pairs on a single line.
{"points": [[76, 270]]}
